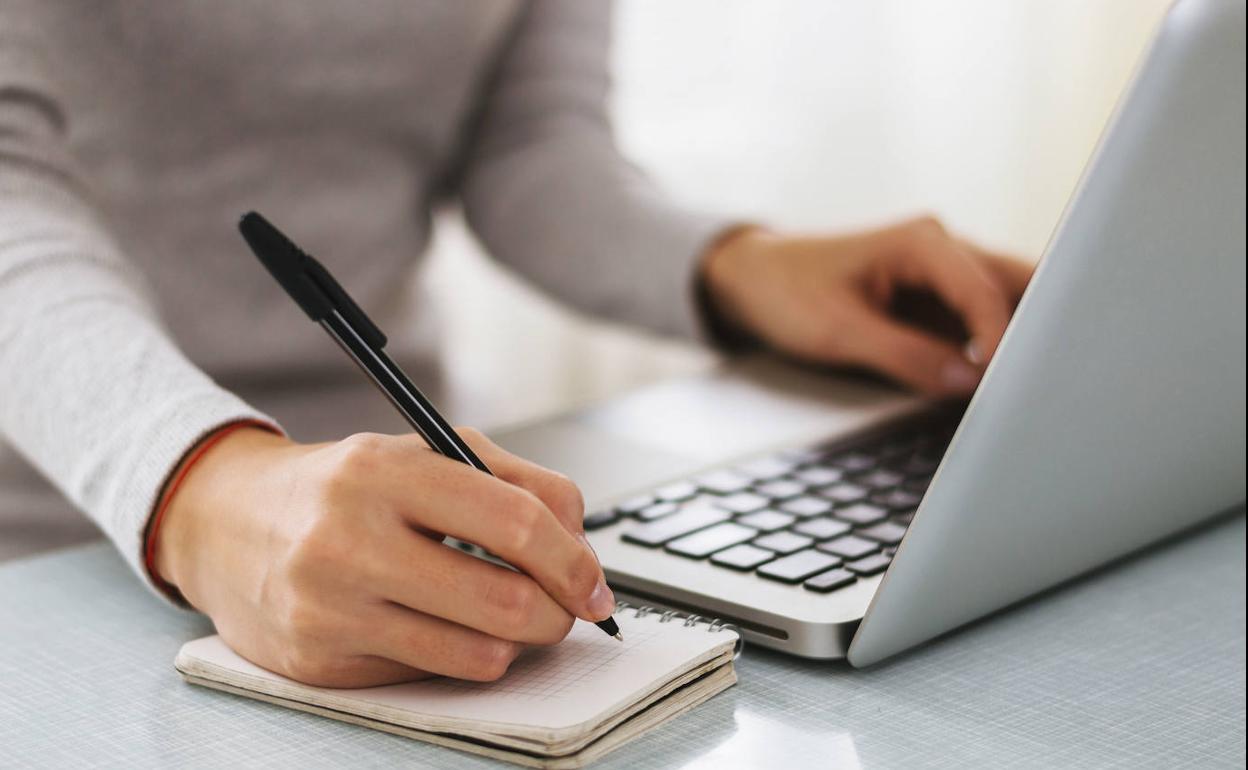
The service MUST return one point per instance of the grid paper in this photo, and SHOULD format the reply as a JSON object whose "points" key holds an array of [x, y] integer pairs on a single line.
{"points": [[528, 677]]}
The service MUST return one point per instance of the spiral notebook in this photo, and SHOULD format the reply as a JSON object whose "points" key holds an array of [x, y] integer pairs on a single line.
{"points": [[558, 707]]}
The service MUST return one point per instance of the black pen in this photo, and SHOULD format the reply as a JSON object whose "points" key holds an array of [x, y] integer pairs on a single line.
{"points": [[311, 286]]}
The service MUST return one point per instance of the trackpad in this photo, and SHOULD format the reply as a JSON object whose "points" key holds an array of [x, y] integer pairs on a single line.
{"points": [[603, 465]]}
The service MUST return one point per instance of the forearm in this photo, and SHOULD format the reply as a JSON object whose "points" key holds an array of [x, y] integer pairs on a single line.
{"points": [[548, 193], [593, 233], [94, 392]]}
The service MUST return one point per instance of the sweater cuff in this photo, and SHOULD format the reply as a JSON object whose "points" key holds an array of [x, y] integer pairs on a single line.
{"points": [[679, 305], [158, 449]]}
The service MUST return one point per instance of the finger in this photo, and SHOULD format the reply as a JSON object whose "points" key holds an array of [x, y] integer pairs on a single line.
{"points": [[1012, 274], [374, 671], [554, 489], [426, 643], [516, 526], [934, 260], [429, 577], [318, 665], [908, 355], [358, 671], [430, 491]]}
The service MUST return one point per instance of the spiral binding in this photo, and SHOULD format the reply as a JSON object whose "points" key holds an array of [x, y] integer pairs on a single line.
{"points": [[713, 625]]}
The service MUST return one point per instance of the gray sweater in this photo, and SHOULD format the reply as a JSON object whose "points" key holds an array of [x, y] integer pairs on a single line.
{"points": [[132, 135]]}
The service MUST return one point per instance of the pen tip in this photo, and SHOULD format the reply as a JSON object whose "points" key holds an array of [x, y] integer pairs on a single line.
{"points": [[619, 637]]}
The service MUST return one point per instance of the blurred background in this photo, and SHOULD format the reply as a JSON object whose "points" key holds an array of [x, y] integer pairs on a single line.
{"points": [[814, 115]]}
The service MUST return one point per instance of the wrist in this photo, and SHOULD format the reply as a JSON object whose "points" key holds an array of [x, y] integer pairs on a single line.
{"points": [[206, 482], [726, 271]]}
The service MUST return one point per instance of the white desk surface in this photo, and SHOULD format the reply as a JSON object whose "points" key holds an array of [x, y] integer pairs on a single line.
{"points": [[1139, 665]]}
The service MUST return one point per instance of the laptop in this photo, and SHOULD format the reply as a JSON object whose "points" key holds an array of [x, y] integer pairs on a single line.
{"points": [[830, 518]]}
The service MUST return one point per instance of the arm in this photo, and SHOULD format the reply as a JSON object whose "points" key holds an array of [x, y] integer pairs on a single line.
{"points": [[547, 192], [324, 563], [95, 393]]}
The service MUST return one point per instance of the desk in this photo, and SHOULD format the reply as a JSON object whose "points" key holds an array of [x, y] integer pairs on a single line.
{"points": [[1139, 665]]}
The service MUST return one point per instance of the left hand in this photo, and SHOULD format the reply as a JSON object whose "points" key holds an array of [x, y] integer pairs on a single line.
{"points": [[831, 299]]}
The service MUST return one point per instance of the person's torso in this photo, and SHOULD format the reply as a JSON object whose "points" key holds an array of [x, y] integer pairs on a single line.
{"points": [[337, 120]]}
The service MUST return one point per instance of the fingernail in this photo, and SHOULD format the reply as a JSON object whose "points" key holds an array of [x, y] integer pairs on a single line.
{"points": [[601, 603], [960, 376], [974, 353]]}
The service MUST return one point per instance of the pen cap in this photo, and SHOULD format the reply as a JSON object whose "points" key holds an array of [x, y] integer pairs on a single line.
{"points": [[306, 281]]}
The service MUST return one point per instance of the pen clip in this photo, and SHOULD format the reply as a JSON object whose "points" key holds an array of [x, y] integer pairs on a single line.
{"points": [[343, 303]]}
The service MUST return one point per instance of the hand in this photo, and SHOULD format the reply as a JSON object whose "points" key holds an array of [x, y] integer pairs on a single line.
{"points": [[831, 300], [326, 563]]}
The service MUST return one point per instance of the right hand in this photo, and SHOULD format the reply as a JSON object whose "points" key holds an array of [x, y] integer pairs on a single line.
{"points": [[325, 563]]}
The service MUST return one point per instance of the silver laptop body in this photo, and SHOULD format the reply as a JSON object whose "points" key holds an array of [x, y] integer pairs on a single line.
{"points": [[1112, 416]]}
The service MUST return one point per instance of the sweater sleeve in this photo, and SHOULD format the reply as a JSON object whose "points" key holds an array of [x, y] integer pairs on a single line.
{"points": [[92, 390], [547, 192]]}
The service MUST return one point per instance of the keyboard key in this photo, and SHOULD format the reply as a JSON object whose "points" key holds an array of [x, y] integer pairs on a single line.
{"points": [[849, 547], [798, 567], [844, 492], [743, 557], [897, 499], [783, 542], [600, 519], [830, 580], [780, 489], [766, 468], [691, 519], [819, 476], [881, 479], [854, 462], [657, 511], [676, 491], [723, 482], [706, 542], [633, 505], [806, 506], [885, 532], [871, 565], [904, 518], [822, 528], [862, 514], [767, 520], [743, 502]]}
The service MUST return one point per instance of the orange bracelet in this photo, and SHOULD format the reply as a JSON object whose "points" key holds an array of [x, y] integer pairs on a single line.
{"points": [[166, 495]]}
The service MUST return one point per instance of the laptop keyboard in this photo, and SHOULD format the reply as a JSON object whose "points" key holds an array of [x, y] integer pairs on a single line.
{"points": [[820, 517]]}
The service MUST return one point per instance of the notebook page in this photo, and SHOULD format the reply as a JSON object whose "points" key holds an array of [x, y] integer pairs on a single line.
{"points": [[577, 682]]}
